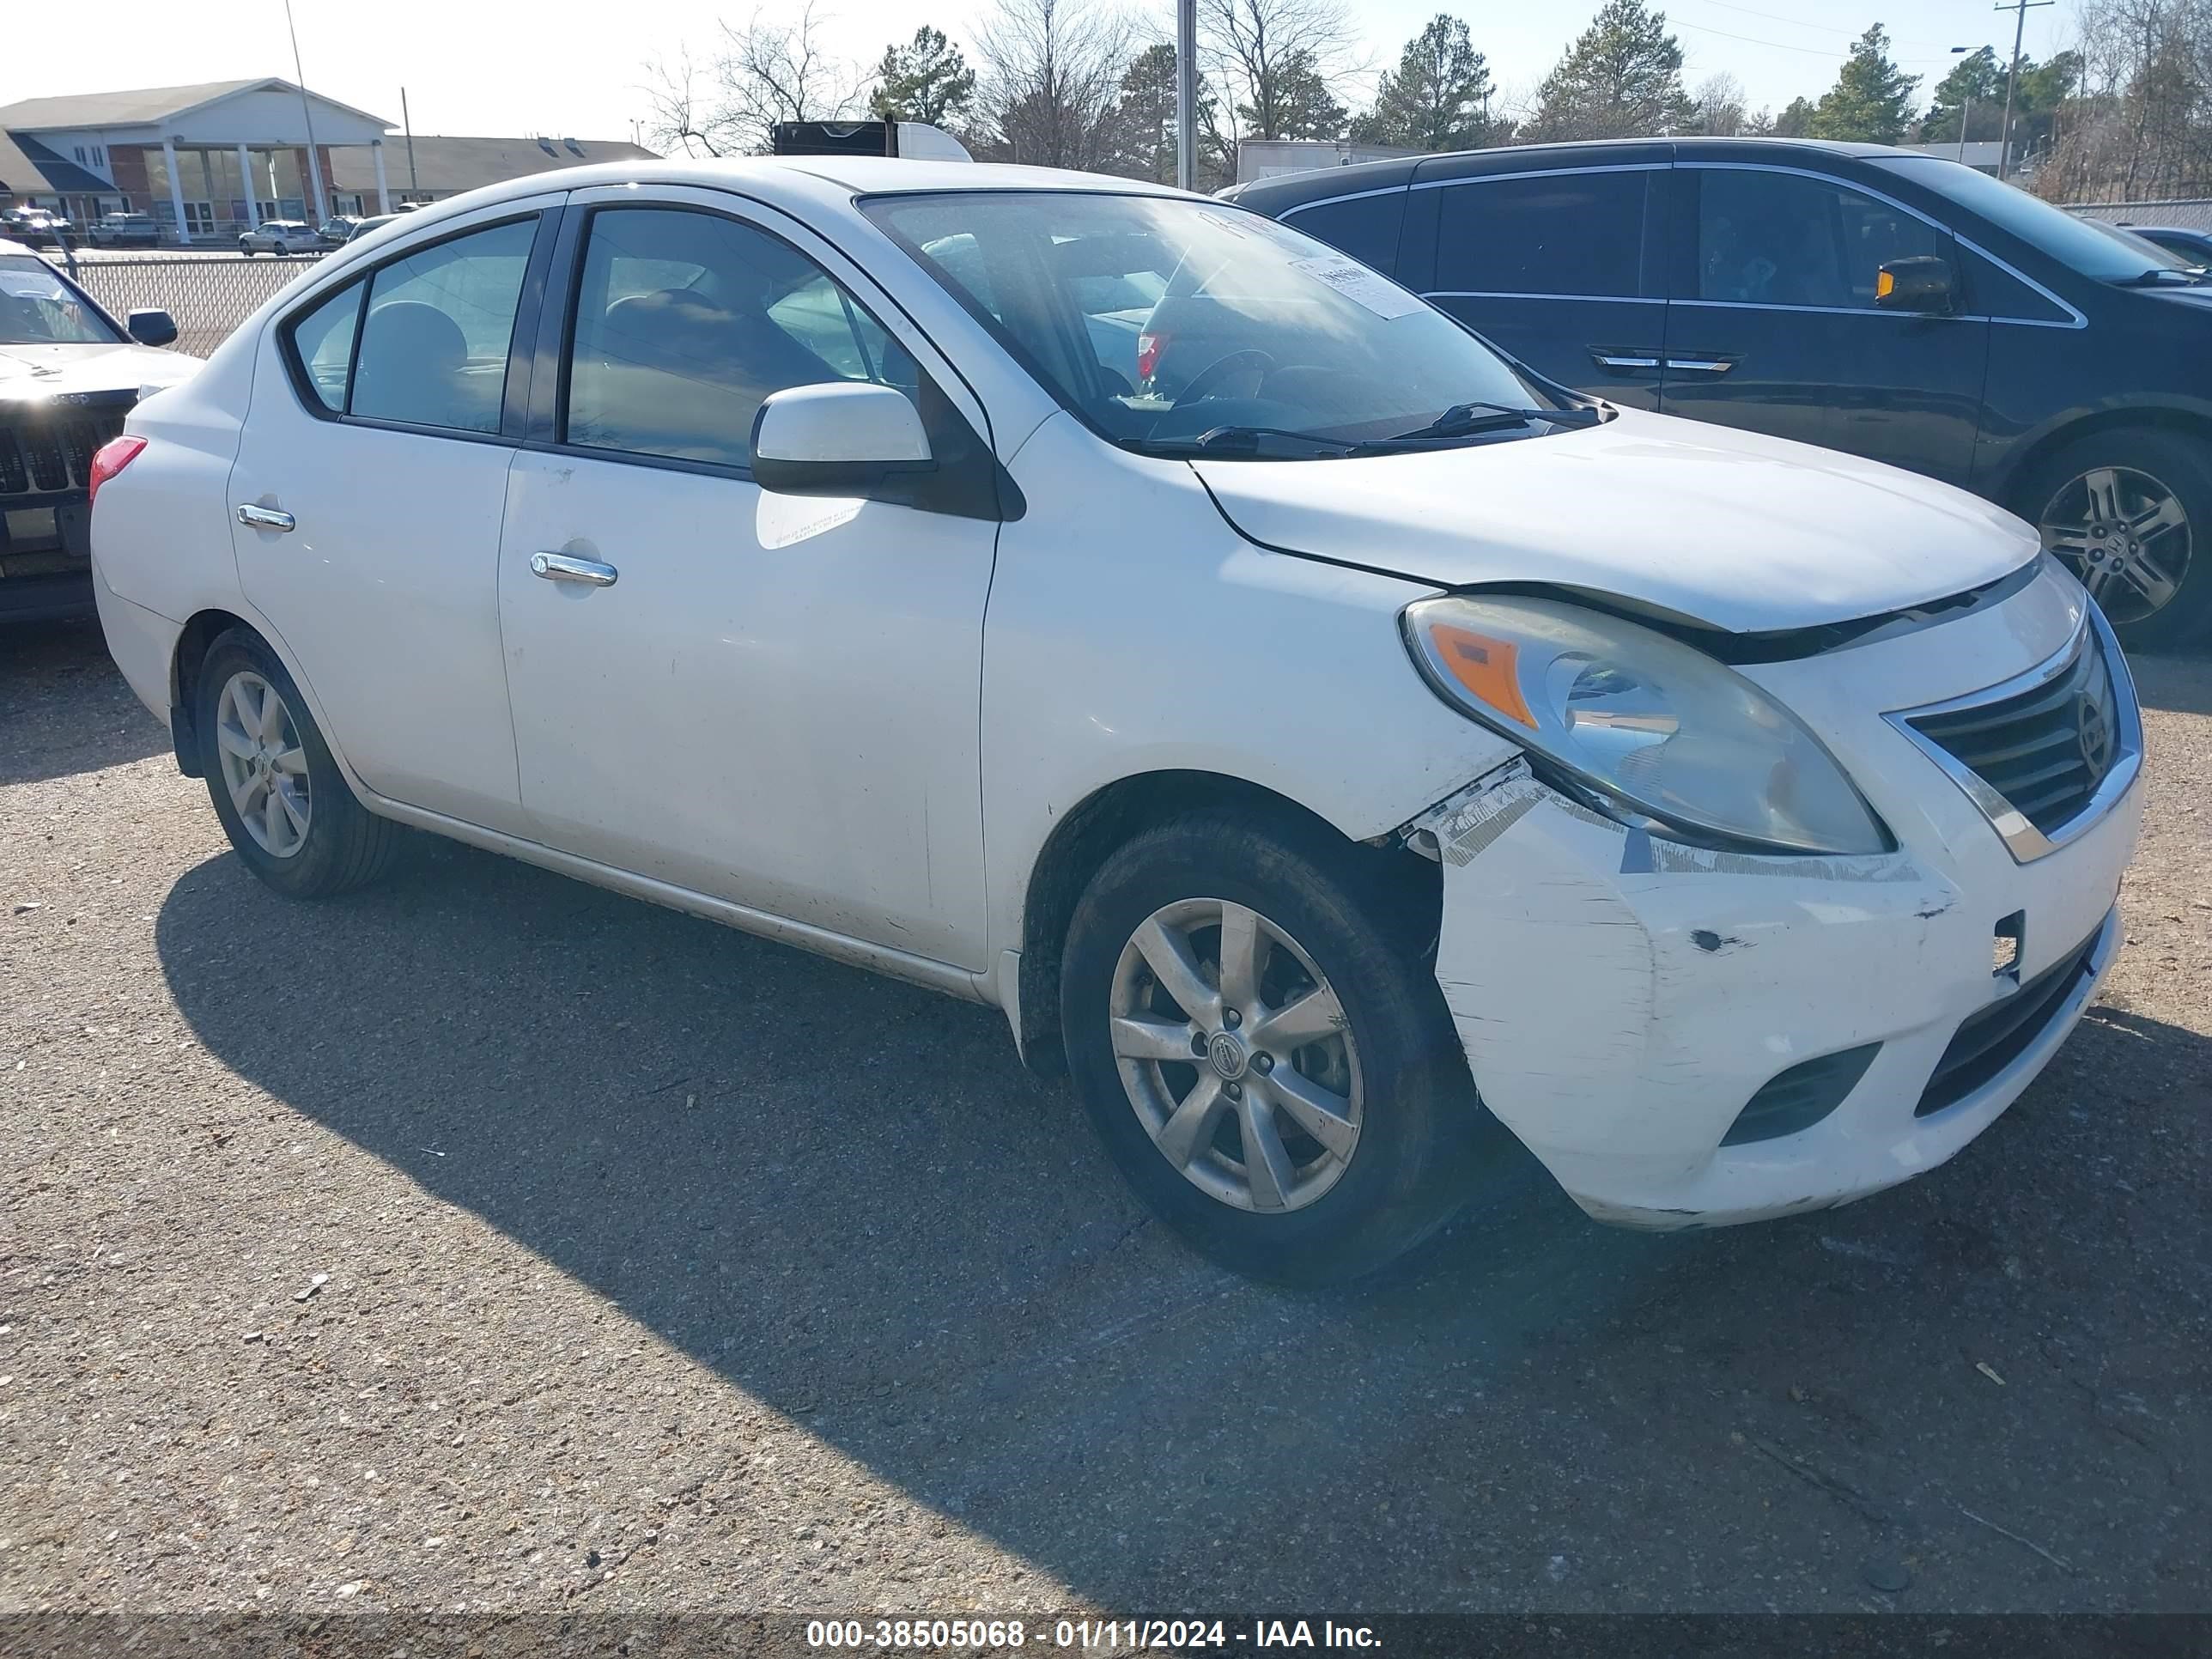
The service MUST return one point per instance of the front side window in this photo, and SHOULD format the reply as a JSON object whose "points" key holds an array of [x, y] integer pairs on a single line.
{"points": [[686, 321], [37, 308], [1162, 320], [438, 329], [323, 341], [1364, 225], [1782, 239], [1570, 234]]}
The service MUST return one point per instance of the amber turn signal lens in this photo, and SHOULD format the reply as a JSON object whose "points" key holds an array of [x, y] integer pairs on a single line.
{"points": [[1884, 284], [1485, 666]]}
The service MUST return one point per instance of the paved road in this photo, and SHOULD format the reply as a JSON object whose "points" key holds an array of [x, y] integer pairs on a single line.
{"points": [[667, 1268]]}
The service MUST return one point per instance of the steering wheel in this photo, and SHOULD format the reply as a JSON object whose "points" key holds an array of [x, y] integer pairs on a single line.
{"points": [[1202, 383]]}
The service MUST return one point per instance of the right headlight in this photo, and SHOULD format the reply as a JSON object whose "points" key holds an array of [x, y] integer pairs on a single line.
{"points": [[1643, 727]]}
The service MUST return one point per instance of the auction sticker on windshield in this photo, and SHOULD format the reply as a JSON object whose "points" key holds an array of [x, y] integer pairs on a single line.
{"points": [[1355, 282]]}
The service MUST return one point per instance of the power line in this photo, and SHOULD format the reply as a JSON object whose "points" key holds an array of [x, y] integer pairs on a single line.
{"points": [[1799, 23]]}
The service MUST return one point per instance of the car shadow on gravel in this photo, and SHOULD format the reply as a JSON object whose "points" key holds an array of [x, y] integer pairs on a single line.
{"points": [[64, 705], [845, 1196], [2182, 684]]}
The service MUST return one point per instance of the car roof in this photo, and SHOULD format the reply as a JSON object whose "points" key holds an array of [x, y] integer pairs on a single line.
{"points": [[7, 246]]}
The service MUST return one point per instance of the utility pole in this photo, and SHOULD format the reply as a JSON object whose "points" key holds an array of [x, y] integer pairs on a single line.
{"points": [[2020, 8], [314, 157], [1187, 95], [407, 126]]}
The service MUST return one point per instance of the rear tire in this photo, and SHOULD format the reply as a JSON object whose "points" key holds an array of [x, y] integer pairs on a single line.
{"points": [[308, 836], [2129, 512], [1387, 1131]]}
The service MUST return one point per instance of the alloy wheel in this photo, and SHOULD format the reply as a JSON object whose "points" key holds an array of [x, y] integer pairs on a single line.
{"points": [[264, 766], [2126, 535], [1237, 1056]]}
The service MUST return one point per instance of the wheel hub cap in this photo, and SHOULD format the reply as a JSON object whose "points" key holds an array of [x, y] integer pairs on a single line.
{"points": [[264, 768], [2126, 535], [1227, 1055]]}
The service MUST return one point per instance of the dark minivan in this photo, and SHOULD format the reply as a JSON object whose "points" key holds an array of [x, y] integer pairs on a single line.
{"points": [[1895, 305]]}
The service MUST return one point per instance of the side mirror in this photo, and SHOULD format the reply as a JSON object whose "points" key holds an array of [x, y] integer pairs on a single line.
{"points": [[152, 328], [846, 438], [1922, 283]]}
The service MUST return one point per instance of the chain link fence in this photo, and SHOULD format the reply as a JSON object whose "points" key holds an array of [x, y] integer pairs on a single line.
{"points": [[2190, 213], [208, 293]]}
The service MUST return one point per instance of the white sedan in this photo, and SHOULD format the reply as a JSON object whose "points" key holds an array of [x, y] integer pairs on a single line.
{"points": [[1350, 748]]}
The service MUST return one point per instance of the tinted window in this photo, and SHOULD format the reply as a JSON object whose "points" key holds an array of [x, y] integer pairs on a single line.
{"points": [[1575, 233], [434, 344], [1782, 239], [323, 341], [2076, 242], [37, 308], [1365, 226], [686, 322]]}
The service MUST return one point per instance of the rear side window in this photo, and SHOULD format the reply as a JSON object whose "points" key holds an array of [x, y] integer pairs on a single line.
{"points": [[1565, 234], [437, 330], [1365, 226]]}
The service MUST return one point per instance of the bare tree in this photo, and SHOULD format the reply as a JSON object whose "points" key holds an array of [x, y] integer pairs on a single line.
{"points": [[1718, 107], [1283, 66], [1051, 81], [764, 73], [2138, 122]]}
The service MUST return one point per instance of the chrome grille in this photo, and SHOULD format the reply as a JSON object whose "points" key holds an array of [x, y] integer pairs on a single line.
{"points": [[2044, 754]]}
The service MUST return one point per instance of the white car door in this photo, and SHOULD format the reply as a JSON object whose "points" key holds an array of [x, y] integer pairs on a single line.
{"points": [[767, 699], [368, 489]]}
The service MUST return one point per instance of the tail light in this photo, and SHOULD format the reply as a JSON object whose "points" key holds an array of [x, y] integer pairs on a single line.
{"points": [[1149, 347], [110, 458]]}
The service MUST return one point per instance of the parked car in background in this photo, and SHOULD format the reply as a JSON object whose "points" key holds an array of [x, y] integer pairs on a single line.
{"points": [[2193, 247], [1365, 746], [374, 221], [1890, 304], [68, 376], [34, 227], [125, 230], [279, 236], [337, 230]]}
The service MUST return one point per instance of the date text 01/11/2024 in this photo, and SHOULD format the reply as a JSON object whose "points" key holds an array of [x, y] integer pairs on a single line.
{"points": [[1101, 1635]]}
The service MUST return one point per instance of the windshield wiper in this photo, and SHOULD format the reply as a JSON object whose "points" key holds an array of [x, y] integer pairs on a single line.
{"points": [[2189, 275], [1463, 420], [1236, 441]]}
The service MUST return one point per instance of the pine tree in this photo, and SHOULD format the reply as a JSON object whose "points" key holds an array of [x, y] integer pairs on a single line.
{"points": [[1978, 80], [1436, 97], [1797, 116], [1622, 78], [927, 80], [1148, 123], [1871, 102], [1303, 105]]}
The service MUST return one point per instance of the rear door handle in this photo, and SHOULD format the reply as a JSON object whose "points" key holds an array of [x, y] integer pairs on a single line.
{"points": [[560, 567], [1702, 365], [265, 517]]}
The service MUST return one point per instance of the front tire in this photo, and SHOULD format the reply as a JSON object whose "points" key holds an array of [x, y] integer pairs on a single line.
{"points": [[285, 805], [1252, 1025], [2129, 512]]}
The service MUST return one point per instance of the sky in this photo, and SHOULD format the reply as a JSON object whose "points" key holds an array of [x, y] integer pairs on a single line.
{"points": [[577, 68]]}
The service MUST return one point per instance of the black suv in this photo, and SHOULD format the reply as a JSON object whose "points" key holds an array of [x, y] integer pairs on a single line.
{"points": [[1895, 305]]}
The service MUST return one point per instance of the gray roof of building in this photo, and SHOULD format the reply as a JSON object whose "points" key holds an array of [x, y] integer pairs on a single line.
{"points": [[140, 106], [446, 164]]}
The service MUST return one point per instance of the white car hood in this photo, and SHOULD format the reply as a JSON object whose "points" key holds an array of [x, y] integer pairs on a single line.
{"points": [[1730, 528], [54, 371]]}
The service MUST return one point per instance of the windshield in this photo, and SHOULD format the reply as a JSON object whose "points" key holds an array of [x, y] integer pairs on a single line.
{"points": [[2145, 254], [1160, 321], [37, 308], [2085, 245]]}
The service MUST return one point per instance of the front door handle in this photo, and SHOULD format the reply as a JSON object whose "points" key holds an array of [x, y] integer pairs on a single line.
{"points": [[1623, 359], [560, 567], [265, 517], [1702, 365]]}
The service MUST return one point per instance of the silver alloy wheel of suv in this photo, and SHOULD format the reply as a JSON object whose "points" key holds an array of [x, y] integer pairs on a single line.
{"points": [[1237, 1056], [2127, 536]]}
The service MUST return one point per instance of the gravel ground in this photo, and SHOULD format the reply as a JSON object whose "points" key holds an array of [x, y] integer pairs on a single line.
{"points": [[486, 1240]]}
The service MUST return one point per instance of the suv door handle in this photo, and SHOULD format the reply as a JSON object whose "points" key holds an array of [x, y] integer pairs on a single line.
{"points": [[1703, 365], [560, 567], [265, 517], [1623, 359]]}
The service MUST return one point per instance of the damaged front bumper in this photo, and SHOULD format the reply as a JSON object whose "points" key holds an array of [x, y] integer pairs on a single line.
{"points": [[1623, 1000]]}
